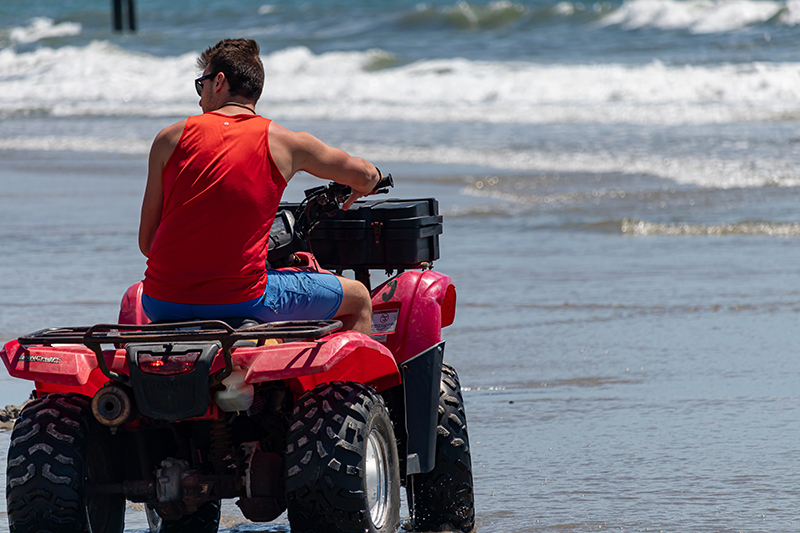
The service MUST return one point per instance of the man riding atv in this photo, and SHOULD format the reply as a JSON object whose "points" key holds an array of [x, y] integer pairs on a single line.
{"points": [[293, 415], [213, 188]]}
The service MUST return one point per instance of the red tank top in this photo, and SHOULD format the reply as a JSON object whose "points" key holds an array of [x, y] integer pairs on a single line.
{"points": [[221, 193]]}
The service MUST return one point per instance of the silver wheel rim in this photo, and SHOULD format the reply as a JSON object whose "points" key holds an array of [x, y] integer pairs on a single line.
{"points": [[377, 478]]}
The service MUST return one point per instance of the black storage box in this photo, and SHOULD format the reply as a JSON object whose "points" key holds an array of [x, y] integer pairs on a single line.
{"points": [[379, 234]]}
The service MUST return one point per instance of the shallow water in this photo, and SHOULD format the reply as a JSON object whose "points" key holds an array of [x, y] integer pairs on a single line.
{"points": [[613, 380]]}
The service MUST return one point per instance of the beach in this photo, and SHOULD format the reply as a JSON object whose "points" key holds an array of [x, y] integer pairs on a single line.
{"points": [[620, 189]]}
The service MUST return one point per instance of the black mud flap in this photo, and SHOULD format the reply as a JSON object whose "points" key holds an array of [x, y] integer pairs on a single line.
{"points": [[422, 376], [176, 397]]}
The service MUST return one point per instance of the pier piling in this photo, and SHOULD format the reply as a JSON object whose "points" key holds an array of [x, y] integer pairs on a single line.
{"points": [[117, 14]]}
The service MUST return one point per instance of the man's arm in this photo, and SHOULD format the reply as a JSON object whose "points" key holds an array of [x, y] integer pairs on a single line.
{"points": [[163, 146], [296, 151]]}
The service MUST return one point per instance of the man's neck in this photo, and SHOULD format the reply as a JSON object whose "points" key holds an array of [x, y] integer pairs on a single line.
{"points": [[236, 107]]}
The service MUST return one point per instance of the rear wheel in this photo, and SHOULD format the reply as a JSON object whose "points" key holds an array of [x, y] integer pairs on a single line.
{"points": [[56, 457], [443, 499], [342, 473]]}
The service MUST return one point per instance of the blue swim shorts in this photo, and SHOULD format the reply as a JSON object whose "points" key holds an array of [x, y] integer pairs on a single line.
{"points": [[290, 295]]}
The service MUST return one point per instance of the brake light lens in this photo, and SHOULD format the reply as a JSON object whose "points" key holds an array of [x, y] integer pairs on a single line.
{"points": [[168, 364], [449, 306]]}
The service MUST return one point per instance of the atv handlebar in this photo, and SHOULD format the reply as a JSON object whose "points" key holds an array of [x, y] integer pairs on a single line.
{"points": [[337, 192], [297, 221]]}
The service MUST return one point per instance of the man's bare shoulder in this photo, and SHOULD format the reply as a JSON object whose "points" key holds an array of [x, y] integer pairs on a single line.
{"points": [[279, 135], [165, 142], [172, 133], [292, 140], [167, 139]]}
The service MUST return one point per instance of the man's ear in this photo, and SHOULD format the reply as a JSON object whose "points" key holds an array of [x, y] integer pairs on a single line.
{"points": [[219, 81]]}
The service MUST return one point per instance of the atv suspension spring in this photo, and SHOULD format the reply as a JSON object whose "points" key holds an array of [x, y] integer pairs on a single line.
{"points": [[221, 446]]}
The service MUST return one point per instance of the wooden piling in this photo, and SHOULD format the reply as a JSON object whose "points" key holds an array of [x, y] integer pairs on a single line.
{"points": [[117, 15], [131, 15]]}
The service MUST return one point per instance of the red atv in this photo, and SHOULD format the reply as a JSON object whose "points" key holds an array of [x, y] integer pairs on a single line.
{"points": [[328, 424]]}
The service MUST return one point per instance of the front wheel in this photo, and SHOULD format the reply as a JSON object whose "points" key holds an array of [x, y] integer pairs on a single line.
{"points": [[443, 499], [57, 456], [342, 473]]}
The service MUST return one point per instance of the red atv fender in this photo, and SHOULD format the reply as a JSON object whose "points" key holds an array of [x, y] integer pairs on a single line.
{"points": [[341, 356], [130, 309], [60, 368], [411, 310], [348, 356]]}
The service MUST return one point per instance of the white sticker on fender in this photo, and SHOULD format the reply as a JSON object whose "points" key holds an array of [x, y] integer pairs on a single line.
{"points": [[384, 321]]}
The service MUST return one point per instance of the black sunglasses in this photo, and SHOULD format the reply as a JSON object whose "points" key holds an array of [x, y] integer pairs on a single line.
{"points": [[198, 83]]}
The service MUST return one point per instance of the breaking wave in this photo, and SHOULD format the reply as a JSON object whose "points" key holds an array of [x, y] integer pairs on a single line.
{"points": [[358, 85], [43, 28], [467, 15], [694, 16], [701, 16]]}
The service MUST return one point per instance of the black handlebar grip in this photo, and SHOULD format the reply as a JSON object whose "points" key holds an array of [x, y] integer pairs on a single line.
{"points": [[385, 181]]}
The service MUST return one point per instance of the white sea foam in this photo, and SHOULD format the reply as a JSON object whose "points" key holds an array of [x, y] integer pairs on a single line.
{"points": [[643, 228], [76, 143], [43, 28], [791, 16], [103, 79], [701, 16], [335, 85], [96, 79], [706, 172]]}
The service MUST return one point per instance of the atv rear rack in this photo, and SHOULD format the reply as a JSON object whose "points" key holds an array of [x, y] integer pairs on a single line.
{"points": [[205, 330], [93, 337]]}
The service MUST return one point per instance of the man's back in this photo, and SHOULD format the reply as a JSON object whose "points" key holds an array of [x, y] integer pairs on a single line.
{"points": [[221, 190], [206, 239]]}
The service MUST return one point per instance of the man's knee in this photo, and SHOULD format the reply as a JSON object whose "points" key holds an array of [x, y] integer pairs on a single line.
{"points": [[355, 312], [356, 299]]}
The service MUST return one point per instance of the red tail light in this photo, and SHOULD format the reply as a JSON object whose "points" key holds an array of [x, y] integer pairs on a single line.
{"points": [[168, 364], [449, 306]]}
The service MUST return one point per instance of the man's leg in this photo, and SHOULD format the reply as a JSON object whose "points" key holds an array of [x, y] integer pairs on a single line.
{"points": [[304, 295], [355, 312]]}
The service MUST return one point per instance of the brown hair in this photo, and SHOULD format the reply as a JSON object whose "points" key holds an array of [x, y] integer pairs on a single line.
{"points": [[239, 60]]}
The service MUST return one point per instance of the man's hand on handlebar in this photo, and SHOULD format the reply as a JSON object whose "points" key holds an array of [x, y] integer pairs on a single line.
{"points": [[354, 195], [383, 182]]}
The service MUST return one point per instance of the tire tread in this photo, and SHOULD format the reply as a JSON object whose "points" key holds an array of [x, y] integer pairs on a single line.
{"points": [[443, 499], [44, 488], [324, 480]]}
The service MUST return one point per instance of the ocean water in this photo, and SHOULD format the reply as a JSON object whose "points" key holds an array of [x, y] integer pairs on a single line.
{"points": [[620, 187]]}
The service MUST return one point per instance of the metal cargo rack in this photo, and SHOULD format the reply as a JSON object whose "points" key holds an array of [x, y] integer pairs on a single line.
{"points": [[93, 337]]}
